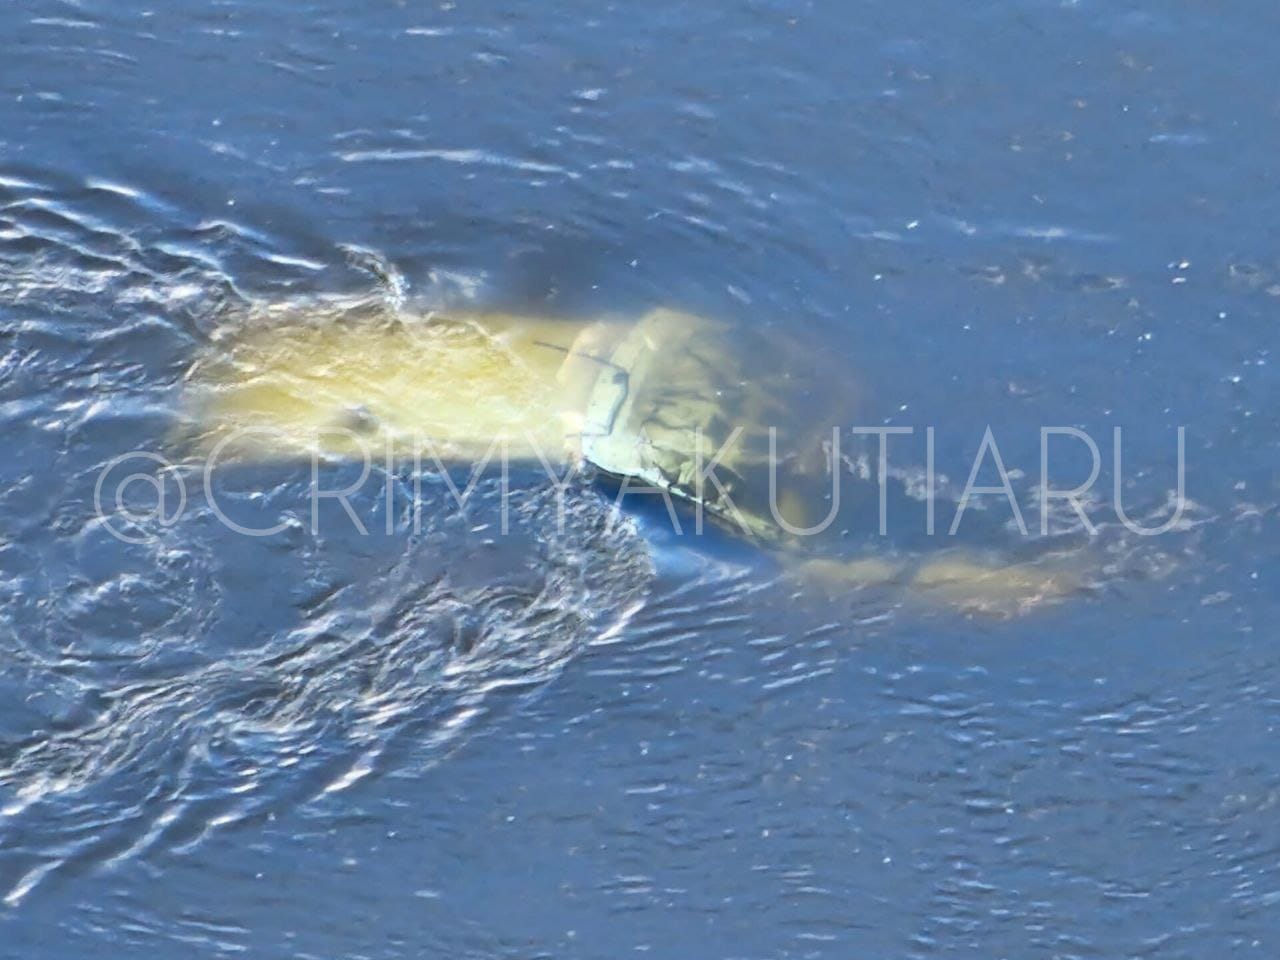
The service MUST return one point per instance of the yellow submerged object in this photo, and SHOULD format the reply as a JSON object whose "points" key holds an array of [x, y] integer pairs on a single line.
{"points": [[671, 401]]}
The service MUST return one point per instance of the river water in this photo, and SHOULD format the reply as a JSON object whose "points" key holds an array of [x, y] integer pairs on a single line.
{"points": [[593, 740]]}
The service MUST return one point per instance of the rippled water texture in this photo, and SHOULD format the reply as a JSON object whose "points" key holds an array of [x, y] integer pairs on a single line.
{"points": [[597, 740]]}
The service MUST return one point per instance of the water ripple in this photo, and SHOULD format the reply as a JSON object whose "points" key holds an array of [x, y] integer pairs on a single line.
{"points": [[166, 693]]}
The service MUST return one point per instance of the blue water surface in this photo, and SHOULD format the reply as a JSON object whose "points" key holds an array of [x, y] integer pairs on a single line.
{"points": [[599, 742]]}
